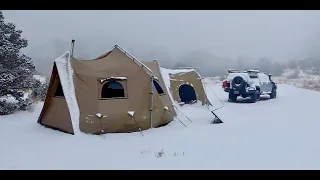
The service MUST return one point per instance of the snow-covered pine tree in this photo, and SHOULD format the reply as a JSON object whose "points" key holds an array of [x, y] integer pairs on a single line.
{"points": [[16, 69], [39, 90]]}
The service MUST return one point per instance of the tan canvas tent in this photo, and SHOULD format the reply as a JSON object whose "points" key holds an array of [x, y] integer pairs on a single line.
{"points": [[187, 88], [185, 85], [112, 93]]}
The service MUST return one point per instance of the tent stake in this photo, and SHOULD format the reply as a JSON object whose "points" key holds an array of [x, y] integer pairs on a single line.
{"points": [[137, 126], [134, 121]]}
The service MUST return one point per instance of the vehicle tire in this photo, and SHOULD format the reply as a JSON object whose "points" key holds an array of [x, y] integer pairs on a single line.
{"points": [[273, 94], [238, 83], [232, 97], [255, 96]]}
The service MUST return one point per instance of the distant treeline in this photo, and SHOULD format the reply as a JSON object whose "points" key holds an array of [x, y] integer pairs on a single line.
{"points": [[210, 65], [206, 63]]}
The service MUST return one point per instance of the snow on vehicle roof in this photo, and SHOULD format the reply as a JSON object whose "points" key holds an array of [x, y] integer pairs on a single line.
{"points": [[243, 71]]}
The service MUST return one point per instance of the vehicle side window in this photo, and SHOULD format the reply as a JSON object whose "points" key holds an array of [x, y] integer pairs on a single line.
{"points": [[264, 78]]}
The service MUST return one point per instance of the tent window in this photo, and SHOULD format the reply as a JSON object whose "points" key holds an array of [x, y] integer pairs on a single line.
{"points": [[59, 91], [158, 87], [112, 89]]}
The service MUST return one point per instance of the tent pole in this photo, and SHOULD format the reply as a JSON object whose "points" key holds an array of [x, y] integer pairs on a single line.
{"points": [[151, 104]]}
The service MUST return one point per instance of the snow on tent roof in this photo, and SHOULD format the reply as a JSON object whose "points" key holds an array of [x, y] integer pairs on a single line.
{"points": [[177, 71], [166, 78], [66, 78]]}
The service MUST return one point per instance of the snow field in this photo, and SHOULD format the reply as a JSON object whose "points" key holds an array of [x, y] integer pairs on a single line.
{"points": [[271, 134]]}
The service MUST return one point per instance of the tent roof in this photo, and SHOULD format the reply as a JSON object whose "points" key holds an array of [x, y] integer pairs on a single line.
{"points": [[130, 56]]}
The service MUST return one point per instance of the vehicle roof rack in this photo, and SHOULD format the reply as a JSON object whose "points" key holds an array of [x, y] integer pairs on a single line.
{"points": [[234, 71], [253, 71]]}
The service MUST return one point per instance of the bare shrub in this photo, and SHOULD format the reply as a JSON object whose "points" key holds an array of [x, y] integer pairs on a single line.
{"points": [[295, 75], [159, 154]]}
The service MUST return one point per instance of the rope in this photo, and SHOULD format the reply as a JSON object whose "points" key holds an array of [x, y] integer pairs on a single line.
{"points": [[215, 95], [217, 108], [205, 91], [94, 132], [177, 118], [182, 113], [134, 121]]}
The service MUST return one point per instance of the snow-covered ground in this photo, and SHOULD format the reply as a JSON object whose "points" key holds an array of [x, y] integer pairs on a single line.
{"points": [[280, 133]]}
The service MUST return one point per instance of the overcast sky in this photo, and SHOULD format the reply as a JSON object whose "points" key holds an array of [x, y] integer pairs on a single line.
{"points": [[280, 35]]}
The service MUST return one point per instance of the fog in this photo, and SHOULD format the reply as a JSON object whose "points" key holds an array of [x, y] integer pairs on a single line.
{"points": [[211, 41]]}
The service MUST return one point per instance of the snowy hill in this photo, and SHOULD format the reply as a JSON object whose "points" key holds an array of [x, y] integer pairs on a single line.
{"points": [[299, 78], [271, 134]]}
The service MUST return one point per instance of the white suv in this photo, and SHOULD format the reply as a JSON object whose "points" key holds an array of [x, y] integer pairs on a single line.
{"points": [[250, 83]]}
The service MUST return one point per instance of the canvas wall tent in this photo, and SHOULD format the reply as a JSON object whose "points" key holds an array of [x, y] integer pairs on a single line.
{"points": [[112, 93], [165, 97], [185, 86]]}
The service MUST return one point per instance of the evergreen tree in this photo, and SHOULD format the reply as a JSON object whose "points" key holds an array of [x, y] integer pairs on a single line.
{"points": [[16, 69], [39, 90]]}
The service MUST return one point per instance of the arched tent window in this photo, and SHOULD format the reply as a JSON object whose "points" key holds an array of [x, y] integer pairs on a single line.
{"points": [[112, 89], [187, 94], [158, 87], [59, 91]]}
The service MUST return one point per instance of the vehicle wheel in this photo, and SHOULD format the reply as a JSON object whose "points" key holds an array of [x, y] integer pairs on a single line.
{"points": [[232, 97], [273, 94], [255, 97]]}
